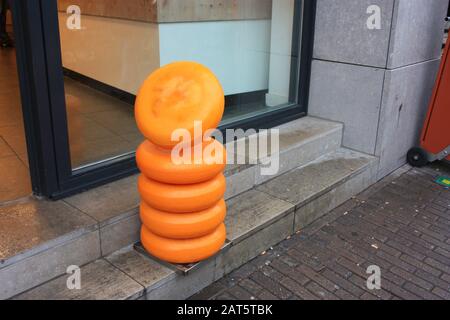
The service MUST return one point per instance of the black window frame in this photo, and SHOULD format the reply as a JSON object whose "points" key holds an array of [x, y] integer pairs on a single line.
{"points": [[43, 100]]}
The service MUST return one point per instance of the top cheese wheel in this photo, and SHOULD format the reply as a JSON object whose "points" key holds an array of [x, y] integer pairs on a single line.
{"points": [[175, 97]]}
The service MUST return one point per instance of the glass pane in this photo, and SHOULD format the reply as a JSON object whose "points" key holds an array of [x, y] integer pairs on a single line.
{"points": [[110, 47], [15, 182]]}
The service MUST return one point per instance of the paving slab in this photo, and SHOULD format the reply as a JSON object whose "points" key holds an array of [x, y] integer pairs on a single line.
{"points": [[253, 211], [300, 142], [148, 273], [100, 280], [45, 266], [108, 202], [304, 184], [30, 226]]}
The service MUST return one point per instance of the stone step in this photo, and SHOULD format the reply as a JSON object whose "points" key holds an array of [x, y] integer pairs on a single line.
{"points": [[257, 220], [301, 141], [96, 223]]}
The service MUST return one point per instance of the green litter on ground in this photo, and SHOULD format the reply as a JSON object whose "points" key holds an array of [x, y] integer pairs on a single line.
{"points": [[443, 181]]}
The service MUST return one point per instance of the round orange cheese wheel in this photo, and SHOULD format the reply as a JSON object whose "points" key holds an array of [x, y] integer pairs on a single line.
{"points": [[183, 251], [158, 164], [175, 97], [182, 198], [183, 225]]}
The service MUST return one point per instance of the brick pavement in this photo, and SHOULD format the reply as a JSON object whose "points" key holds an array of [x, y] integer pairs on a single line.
{"points": [[401, 224]]}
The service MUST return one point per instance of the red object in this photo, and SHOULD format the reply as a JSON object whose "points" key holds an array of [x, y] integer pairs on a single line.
{"points": [[436, 133], [435, 139]]}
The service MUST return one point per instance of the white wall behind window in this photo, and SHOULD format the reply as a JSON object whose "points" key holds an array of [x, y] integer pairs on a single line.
{"points": [[238, 52], [123, 53], [120, 53], [281, 52]]}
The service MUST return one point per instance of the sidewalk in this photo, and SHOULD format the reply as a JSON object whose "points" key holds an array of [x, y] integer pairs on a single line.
{"points": [[401, 224]]}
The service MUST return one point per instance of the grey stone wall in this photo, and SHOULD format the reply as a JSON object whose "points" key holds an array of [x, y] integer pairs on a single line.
{"points": [[377, 82]]}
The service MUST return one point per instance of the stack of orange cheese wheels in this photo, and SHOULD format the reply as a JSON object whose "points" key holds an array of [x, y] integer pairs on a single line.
{"points": [[183, 208]]}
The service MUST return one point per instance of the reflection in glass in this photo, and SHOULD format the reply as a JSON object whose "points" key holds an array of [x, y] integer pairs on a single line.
{"points": [[110, 47]]}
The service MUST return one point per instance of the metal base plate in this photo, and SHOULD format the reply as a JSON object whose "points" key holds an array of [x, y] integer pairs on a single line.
{"points": [[183, 269]]}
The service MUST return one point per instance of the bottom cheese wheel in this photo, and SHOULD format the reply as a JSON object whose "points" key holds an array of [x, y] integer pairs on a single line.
{"points": [[183, 225], [183, 251], [182, 198]]}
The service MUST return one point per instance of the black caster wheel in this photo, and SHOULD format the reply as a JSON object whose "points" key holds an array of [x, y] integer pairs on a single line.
{"points": [[417, 157]]}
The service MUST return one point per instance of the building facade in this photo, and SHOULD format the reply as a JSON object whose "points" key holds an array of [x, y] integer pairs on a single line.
{"points": [[378, 82], [346, 82]]}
